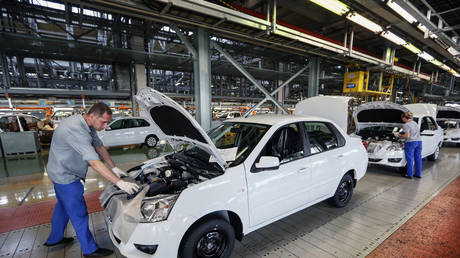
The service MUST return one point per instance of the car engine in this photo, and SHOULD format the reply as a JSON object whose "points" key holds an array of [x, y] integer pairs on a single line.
{"points": [[382, 138], [174, 174]]}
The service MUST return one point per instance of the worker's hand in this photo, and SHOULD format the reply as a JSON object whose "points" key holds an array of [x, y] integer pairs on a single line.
{"points": [[396, 134], [118, 172], [128, 187]]}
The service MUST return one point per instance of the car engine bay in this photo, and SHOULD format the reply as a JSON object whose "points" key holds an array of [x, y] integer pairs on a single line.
{"points": [[172, 175], [381, 137]]}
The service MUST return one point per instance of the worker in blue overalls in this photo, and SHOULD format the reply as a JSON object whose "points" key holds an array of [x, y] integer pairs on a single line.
{"points": [[74, 145]]}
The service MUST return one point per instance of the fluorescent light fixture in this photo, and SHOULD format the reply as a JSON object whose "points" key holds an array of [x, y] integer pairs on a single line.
{"points": [[398, 9], [453, 51], [412, 48], [426, 56], [436, 62], [452, 71], [363, 21], [456, 74], [433, 36], [393, 38], [334, 6], [445, 67], [423, 28]]}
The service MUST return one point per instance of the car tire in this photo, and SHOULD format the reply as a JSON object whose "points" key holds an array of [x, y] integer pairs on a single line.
{"points": [[343, 192], [435, 155], [151, 141], [213, 238]]}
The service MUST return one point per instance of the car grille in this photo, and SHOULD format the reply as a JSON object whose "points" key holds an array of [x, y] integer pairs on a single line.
{"points": [[374, 160], [455, 139]]}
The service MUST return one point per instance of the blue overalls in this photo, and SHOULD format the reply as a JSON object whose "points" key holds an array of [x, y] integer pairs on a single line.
{"points": [[71, 148], [413, 151]]}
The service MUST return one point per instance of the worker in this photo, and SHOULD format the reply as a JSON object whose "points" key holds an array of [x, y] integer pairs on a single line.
{"points": [[74, 145], [412, 147]]}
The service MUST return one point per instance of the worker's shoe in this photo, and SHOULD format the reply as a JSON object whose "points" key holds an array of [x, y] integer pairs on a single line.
{"points": [[64, 240], [418, 176], [100, 252], [406, 176]]}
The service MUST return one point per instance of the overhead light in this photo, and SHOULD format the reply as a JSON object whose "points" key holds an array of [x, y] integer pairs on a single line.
{"points": [[398, 9], [363, 21], [436, 62], [456, 74], [453, 51], [452, 71], [426, 56], [412, 48], [445, 67], [334, 6], [433, 36], [393, 38], [423, 28]]}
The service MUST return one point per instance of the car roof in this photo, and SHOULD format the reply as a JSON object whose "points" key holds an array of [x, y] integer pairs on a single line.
{"points": [[273, 119]]}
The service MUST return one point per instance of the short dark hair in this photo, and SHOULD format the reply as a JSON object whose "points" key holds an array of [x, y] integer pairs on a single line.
{"points": [[99, 109]]}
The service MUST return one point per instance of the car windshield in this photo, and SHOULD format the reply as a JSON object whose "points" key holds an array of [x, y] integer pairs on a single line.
{"points": [[235, 139], [447, 124]]}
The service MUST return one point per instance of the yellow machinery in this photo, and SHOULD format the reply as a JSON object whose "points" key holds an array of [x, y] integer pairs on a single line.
{"points": [[368, 83]]}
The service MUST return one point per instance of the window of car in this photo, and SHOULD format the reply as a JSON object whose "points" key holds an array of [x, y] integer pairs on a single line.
{"points": [[242, 136], [143, 123], [117, 125], [286, 144], [322, 137], [31, 123], [428, 124]]}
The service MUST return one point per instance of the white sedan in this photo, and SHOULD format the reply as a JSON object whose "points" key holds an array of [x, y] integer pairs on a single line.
{"points": [[130, 130], [375, 122], [449, 119], [247, 173]]}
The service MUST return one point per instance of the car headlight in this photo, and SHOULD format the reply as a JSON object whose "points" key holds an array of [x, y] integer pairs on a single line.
{"points": [[394, 147], [157, 209]]}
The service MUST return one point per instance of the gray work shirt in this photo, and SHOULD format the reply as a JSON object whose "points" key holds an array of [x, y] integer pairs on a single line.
{"points": [[71, 147], [414, 132]]}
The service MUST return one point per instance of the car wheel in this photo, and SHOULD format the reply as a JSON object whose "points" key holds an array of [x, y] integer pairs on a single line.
{"points": [[151, 141], [343, 193], [435, 155], [213, 238]]}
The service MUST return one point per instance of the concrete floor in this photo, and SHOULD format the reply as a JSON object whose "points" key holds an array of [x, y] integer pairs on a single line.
{"points": [[382, 202]]}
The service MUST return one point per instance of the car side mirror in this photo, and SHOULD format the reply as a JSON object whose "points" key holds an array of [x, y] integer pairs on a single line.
{"points": [[108, 128], [268, 162]]}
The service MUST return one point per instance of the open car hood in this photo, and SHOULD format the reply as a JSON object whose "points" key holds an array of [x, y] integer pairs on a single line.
{"points": [[378, 113], [175, 122], [448, 113], [422, 109]]}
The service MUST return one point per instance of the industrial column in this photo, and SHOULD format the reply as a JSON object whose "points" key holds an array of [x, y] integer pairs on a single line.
{"points": [[313, 77], [202, 79]]}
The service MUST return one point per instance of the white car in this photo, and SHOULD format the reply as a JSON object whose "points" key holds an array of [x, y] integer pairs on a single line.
{"points": [[375, 122], [247, 173], [130, 130], [449, 119]]}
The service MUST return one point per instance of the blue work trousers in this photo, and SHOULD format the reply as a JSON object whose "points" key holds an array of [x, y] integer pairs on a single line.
{"points": [[413, 152], [71, 204]]}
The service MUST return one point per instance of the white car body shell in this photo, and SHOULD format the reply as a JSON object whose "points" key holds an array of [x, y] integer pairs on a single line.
{"points": [[336, 108], [256, 199], [450, 115], [127, 136]]}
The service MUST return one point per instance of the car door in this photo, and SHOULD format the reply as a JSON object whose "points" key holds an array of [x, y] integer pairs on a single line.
{"points": [[112, 135], [428, 135], [143, 129], [130, 131], [274, 192], [326, 160]]}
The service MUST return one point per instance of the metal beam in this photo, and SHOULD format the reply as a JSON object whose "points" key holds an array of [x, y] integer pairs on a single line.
{"points": [[202, 79], [248, 75], [185, 40], [276, 90], [313, 79]]}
